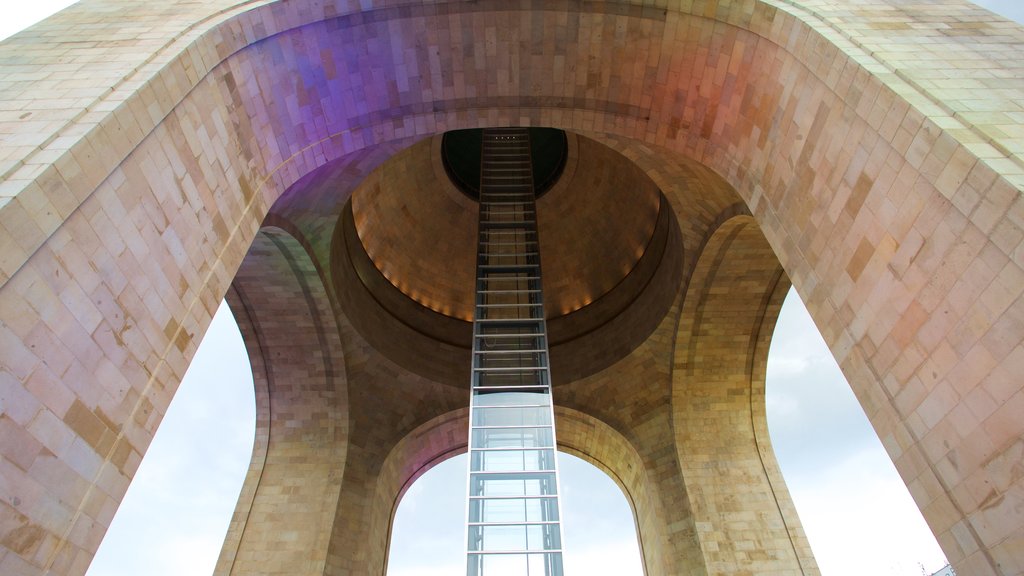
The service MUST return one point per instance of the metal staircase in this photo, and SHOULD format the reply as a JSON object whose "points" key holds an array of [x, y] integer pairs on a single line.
{"points": [[514, 521]]}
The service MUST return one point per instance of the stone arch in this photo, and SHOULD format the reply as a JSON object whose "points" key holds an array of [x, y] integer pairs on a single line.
{"points": [[728, 316], [894, 216], [598, 443], [302, 410], [579, 434], [428, 445], [261, 441]]}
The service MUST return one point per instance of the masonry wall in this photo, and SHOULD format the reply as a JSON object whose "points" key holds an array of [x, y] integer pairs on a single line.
{"points": [[877, 148], [289, 497]]}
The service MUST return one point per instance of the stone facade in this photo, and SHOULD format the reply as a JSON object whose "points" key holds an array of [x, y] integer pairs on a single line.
{"points": [[156, 157]]}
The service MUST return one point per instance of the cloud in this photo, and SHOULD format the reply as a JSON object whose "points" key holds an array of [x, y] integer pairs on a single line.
{"points": [[600, 534], [430, 523], [1012, 9], [855, 508], [790, 365], [611, 557], [860, 519], [440, 570], [813, 416]]}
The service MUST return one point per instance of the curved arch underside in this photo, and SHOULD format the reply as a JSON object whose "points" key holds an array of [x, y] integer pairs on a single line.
{"points": [[302, 428], [899, 225]]}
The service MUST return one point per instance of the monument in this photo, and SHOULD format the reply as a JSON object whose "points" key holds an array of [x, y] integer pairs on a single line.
{"points": [[288, 156]]}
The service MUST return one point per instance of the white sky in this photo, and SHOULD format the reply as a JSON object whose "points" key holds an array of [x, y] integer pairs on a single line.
{"points": [[176, 512]]}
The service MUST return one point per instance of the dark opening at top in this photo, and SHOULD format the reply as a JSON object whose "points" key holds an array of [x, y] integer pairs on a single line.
{"points": [[460, 150]]}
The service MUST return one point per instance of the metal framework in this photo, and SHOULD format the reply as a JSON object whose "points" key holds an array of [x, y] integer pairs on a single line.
{"points": [[514, 512]]}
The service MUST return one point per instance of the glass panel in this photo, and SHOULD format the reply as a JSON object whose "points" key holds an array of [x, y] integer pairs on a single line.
{"points": [[537, 564], [494, 343], [512, 399], [512, 484], [512, 416], [501, 510], [514, 538], [545, 564], [541, 510], [513, 510], [497, 538], [491, 334], [515, 564], [512, 379], [511, 360], [543, 537], [511, 312], [513, 438], [498, 565], [513, 460]]}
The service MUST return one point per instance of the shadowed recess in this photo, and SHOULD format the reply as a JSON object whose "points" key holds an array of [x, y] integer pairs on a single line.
{"points": [[461, 155]]}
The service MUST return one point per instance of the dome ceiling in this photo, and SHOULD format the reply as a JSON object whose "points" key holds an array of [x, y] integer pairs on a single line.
{"points": [[420, 231]]}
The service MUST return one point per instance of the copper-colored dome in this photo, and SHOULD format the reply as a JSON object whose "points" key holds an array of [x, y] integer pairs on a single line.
{"points": [[420, 231]]}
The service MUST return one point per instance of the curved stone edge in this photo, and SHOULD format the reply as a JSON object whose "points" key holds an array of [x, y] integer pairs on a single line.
{"points": [[47, 180], [721, 350], [302, 403]]}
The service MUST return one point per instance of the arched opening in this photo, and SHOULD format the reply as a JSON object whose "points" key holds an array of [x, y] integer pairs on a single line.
{"points": [[428, 531], [835, 480], [837, 471]]}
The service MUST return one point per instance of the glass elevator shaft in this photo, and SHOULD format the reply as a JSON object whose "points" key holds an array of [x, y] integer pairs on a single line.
{"points": [[513, 523]]}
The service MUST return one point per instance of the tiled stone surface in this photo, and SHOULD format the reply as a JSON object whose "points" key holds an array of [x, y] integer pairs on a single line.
{"points": [[417, 225], [420, 230], [147, 88], [311, 208], [292, 489], [617, 205], [961, 67], [437, 346], [633, 397], [591, 439], [261, 381], [127, 206], [743, 517], [609, 329], [759, 420], [386, 405], [422, 341]]}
